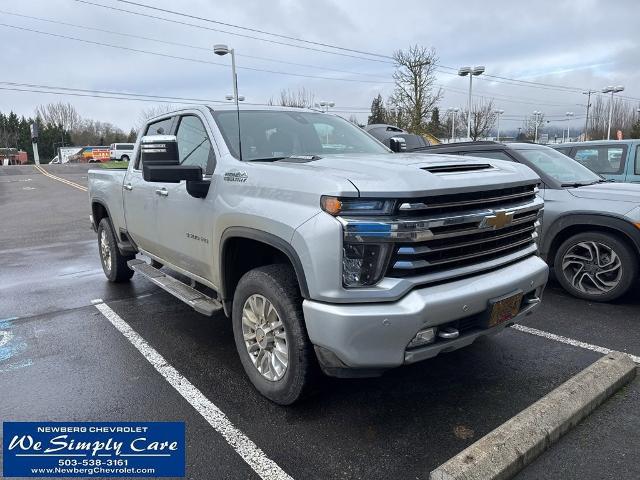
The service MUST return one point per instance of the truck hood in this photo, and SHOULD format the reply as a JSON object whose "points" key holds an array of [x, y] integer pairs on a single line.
{"points": [[414, 175], [622, 192]]}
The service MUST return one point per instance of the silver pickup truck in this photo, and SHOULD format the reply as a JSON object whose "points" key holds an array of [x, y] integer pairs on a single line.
{"points": [[327, 250]]}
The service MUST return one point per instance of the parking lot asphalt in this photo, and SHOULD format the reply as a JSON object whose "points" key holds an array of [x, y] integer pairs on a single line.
{"points": [[69, 363]]}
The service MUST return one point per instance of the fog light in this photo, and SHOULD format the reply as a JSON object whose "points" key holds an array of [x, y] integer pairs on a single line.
{"points": [[423, 337]]}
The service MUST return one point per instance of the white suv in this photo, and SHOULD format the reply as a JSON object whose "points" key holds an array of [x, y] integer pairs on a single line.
{"points": [[121, 151]]}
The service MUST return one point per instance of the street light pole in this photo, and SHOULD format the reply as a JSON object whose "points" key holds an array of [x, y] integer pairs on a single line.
{"points": [[536, 114], [463, 72], [452, 112], [221, 49], [611, 89], [499, 112], [569, 115]]}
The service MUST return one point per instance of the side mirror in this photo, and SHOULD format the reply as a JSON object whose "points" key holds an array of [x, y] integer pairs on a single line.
{"points": [[397, 144], [161, 162]]}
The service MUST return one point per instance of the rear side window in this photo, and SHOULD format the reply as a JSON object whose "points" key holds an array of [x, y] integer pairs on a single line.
{"points": [[124, 146], [602, 159], [161, 127]]}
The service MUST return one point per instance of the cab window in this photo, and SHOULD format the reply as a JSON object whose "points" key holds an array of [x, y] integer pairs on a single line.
{"points": [[637, 166], [602, 158], [194, 145]]}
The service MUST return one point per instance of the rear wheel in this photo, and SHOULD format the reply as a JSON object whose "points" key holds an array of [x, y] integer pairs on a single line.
{"points": [[114, 263], [124, 158], [596, 266], [270, 334]]}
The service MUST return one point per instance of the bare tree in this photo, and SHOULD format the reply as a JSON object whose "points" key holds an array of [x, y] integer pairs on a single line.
{"points": [[483, 119], [623, 116], [153, 111], [529, 125], [59, 114], [415, 92], [301, 98]]}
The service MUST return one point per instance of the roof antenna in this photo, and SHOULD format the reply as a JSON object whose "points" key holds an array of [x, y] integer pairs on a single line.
{"points": [[221, 49]]}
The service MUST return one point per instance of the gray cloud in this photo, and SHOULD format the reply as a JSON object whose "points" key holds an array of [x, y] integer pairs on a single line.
{"points": [[587, 44]]}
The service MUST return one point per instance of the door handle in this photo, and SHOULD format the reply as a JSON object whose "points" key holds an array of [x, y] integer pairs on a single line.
{"points": [[162, 192], [127, 186]]}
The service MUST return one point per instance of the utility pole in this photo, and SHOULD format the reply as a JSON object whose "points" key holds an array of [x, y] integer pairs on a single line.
{"points": [[586, 121], [34, 143]]}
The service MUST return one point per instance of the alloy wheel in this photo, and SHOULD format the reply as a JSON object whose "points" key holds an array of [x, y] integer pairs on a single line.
{"points": [[265, 337], [105, 251], [592, 267]]}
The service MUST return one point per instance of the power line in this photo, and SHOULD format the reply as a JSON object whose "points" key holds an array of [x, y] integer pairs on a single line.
{"points": [[178, 44], [202, 27], [453, 71], [255, 30], [165, 55]]}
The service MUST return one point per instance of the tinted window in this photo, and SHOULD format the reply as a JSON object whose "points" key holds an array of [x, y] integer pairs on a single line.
{"points": [[602, 158], [124, 146], [558, 166], [279, 133], [637, 168], [194, 146], [495, 154], [413, 141], [161, 127]]}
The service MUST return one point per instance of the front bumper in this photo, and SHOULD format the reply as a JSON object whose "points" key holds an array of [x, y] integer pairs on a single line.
{"points": [[374, 336]]}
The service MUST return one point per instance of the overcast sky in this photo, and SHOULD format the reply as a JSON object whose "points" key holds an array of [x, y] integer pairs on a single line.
{"points": [[579, 43]]}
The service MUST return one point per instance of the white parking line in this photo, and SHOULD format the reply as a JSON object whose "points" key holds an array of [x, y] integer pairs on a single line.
{"points": [[249, 451], [568, 341]]}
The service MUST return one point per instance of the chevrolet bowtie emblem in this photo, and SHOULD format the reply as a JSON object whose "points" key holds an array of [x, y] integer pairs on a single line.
{"points": [[498, 220]]}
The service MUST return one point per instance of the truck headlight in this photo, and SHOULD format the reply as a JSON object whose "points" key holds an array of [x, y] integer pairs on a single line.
{"points": [[363, 264], [356, 206]]}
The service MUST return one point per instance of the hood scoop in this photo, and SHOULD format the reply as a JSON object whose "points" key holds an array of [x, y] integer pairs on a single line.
{"points": [[458, 168]]}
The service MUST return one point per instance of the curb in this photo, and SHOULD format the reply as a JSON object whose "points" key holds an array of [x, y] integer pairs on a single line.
{"points": [[506, 450]]}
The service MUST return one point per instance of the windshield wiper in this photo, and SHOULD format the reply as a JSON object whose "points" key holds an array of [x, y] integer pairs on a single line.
{"points": [[308, 158], [578, 184]]}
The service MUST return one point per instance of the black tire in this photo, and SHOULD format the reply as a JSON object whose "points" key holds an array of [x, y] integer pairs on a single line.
{"points": [[124, 158], [115, 264], [623, 279], [278, 284]]}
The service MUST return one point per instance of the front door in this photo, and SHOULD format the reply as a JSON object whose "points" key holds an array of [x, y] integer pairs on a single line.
{"points": [[185, 223], [141, 198]]}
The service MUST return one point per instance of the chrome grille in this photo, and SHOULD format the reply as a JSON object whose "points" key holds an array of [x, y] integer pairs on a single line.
{"points": [[465, 231]]}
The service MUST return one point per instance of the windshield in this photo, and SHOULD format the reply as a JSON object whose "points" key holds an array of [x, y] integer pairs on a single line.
{"points": [[277, 134], [558, 166]]}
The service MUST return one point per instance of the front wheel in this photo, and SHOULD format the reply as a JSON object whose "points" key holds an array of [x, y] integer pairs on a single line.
{"points": [[596, 266], [270, 335], [114, 263]]}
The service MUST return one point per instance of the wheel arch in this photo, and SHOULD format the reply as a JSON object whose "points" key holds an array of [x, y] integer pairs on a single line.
{"points": [[571, 224], [100, 210], [265, 248]]}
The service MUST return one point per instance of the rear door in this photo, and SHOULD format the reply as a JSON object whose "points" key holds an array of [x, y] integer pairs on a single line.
{"points": [[606, 159], [185, 223], [141, 199]]}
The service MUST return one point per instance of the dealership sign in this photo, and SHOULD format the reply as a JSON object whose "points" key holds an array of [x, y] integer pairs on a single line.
{"points": [[93, 449]]}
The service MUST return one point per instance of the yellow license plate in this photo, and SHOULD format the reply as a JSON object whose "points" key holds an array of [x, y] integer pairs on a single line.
{"points": [[505, 309]]}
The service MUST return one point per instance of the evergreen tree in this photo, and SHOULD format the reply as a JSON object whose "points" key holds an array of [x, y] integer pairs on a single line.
{"points": [[378, 112]]}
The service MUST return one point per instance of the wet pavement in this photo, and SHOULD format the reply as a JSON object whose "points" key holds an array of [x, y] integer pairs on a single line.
{"points": [[67, 362]]}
